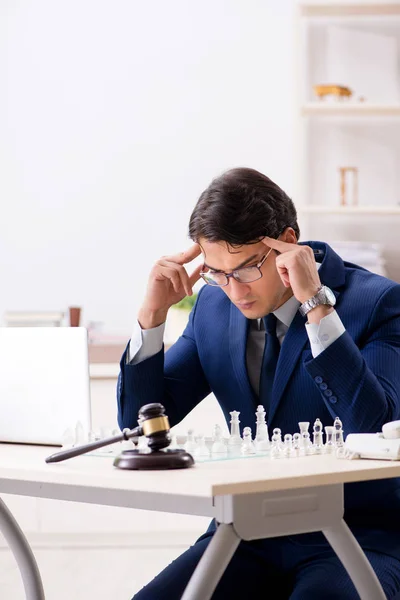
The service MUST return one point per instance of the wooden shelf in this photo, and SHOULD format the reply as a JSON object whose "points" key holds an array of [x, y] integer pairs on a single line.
{"points": [[347, 210], [320, 109], [349, 9]]}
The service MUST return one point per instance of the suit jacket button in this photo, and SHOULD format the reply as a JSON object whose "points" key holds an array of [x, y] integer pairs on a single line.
{"points": [[318, 379], [333, 399]]}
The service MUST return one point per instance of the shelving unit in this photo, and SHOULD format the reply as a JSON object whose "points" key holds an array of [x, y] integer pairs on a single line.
{"points": [[340, 109], [362, 131]]}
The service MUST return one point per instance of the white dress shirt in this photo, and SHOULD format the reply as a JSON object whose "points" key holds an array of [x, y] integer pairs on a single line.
{"points": [[147, 342]]}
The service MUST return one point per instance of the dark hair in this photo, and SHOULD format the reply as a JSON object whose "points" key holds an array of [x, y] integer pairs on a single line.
{"points": [[241, 207]]}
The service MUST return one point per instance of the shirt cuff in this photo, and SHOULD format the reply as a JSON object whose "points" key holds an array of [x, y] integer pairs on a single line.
{"points": [[144, 343], [324, 333]]}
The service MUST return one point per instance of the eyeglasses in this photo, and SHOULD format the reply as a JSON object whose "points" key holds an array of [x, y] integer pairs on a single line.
{"points": [[243, 275]]}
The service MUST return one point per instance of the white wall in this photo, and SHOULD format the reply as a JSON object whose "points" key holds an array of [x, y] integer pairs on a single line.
{"points": [[114, 116]]}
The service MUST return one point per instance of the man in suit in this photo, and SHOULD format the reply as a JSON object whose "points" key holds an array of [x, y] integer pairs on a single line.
{"points": [[289, 326]]}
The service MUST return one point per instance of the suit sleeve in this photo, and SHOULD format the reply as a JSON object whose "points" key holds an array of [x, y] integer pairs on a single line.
{"points": [[175, 379], [361, 383]]}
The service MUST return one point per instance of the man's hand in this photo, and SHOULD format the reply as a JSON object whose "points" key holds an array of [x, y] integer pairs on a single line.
{"points": [[168, 283], [296, 267]]}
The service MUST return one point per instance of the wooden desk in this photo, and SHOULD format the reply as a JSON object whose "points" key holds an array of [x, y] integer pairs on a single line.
{"points": [[251, 498]]}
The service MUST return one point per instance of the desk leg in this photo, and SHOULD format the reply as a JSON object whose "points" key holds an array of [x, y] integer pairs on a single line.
{"points": [[212, 564], [23, 554], [354, 561]]}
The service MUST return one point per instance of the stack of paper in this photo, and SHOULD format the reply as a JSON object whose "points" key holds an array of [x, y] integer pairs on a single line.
{"points": [[33, 318], [365, 254]]}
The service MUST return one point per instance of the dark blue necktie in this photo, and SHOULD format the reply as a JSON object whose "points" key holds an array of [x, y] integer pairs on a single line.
{"points": [[269, 361]]}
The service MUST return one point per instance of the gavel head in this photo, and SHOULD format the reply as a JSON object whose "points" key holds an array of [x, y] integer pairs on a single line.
{"points": [[155, 425]]}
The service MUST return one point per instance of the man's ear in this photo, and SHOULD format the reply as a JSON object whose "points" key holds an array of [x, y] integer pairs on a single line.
{"points": [[289, 236]]}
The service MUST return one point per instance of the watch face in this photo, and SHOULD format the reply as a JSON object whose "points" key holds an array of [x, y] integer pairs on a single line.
{"points": [[330, 296]]}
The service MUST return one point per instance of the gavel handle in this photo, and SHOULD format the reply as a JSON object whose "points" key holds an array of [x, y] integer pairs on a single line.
{"points": [[71, 452]]}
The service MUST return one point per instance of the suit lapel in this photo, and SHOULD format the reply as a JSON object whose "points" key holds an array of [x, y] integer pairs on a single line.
{"points": [[238, 331]]}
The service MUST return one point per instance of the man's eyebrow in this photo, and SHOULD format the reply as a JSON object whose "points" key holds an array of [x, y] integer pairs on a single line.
{"points": [[242, 264]]}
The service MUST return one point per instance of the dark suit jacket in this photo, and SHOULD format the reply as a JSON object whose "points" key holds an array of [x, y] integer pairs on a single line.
{"points": [[357, 378]]}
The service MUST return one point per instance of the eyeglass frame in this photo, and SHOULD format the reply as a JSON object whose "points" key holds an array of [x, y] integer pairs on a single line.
{"points": [[232, 273]]}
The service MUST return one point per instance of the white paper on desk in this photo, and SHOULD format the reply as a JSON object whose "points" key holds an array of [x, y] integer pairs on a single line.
{"points": [[365, 62]]}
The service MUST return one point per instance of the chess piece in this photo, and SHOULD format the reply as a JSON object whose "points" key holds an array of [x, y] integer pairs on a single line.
{"points": [[277, 434], [317, 437], [338, 440], [201, 452], [329, 447], [307, 449], [304, 425], [174, 443], [218, 449], [190, 445], [248, 447], [261, 441], [288, 446], [234, 441], [276, 443], [297, 444]]}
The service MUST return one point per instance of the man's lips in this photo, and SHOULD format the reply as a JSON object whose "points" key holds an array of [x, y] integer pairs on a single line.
{"points": [[245, 304]]}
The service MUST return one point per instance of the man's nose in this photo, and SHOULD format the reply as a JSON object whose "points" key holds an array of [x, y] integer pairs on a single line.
{"points": [[237, 291]]}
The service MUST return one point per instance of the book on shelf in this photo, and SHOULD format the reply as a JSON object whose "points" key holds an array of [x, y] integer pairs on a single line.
{"points": [[33, 318]]}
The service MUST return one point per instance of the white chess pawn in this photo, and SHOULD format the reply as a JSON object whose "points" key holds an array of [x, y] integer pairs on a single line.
{"points": [[261, 441], [234, 441], [218, 449], [201, 451], [329, 447], [317, 437], [174, 443], [276, 444], [277, 437], [297, 443], [288, 446], [247, 444], [190, 445], [307, 444]]}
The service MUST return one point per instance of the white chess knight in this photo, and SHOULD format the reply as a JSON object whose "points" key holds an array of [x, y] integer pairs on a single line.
{"points": [[234, 441], [247, 444], [261, 441]]}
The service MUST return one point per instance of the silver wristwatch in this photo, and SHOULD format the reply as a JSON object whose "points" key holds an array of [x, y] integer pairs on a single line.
{"points": [[323, 296]]}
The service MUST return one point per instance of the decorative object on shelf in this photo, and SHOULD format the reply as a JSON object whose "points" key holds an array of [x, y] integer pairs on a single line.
{"points": [[33, 318], [353, 172], [74, 316], [177, 318], [339, 91]]}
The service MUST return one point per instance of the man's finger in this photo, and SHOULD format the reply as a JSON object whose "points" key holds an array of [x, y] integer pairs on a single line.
{"points": [[277, 244], [188, 255], [195, 276]]}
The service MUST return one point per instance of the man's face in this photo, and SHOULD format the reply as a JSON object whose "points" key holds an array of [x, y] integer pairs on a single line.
{"points": [[258, 298]]}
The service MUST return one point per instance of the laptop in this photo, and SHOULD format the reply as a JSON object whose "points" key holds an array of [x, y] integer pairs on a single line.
{"points": [[44, 383]]}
